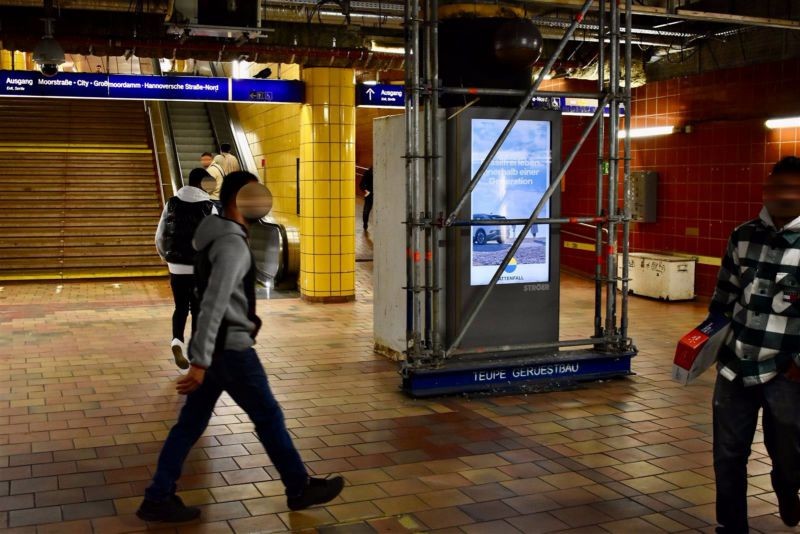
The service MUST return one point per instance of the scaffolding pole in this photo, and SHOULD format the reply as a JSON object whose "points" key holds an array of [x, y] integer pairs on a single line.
{"points": [[613, 174], [413, 249], [601, 147], [626, 194], [426, 222]]}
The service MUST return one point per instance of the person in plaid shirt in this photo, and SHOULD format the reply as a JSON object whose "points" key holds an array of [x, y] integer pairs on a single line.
{"points": [[759, 290]]}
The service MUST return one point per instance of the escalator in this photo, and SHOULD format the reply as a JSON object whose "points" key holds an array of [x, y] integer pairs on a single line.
{"points": [[191, 128], [192, 134]]}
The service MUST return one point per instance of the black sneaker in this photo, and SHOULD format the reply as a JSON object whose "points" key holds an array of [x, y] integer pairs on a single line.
{"points": [[170, 511], [789, 507], [317, 491]]}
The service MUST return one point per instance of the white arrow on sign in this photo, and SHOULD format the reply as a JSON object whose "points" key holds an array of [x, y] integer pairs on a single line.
{"points": [[370, 92]]}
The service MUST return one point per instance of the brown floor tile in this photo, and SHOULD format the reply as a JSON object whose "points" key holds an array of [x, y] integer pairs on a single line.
{"points": [[540, 523], [98, 429], [16, 502], [71, 527], [307, 519], [399, 488], [224, 511], [345, 513], [89, 510], [490, 527], [34, 516], [400, 505], [443, 518], [488, 511], [59, 497], [267, 505], [257, 525]]}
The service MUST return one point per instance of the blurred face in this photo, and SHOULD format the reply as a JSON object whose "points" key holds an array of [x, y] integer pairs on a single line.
{"points": [[782, 196], [205, 161], [254, 201]]}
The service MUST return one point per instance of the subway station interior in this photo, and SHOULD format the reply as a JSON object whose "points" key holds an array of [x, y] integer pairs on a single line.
{"points": [[399, 266]]}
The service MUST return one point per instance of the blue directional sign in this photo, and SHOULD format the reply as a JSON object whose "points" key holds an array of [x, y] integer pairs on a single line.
{"points": [[168, 88], [251, 90], [137, 87], [380, 96], [32, 83]]}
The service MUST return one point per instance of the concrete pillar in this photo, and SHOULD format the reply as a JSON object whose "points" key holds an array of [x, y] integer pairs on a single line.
{"points": [[327, 196]]}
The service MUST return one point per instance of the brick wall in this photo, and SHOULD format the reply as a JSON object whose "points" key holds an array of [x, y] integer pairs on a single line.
{"points": [[710, 179]]}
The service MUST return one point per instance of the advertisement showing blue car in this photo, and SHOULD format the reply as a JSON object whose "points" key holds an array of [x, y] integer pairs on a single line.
{"points": [[510, 189]]}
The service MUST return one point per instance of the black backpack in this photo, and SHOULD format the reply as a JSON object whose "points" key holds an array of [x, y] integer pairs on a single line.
{"points": [[181, 222]]}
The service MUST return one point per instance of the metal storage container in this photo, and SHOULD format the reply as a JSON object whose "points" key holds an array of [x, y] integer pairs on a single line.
{"points": [[660, 276]]}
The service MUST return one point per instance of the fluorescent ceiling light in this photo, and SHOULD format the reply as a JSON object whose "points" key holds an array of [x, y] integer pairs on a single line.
{"points": [[789, 122], [637, 133], [673, 23], [399, 50]]}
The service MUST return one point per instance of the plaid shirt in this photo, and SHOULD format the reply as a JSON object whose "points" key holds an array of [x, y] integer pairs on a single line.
{"points": [[759, 289]]}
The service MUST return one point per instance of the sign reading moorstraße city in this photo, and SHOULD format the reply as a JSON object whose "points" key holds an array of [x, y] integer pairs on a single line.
{"points": [[139, 87]]}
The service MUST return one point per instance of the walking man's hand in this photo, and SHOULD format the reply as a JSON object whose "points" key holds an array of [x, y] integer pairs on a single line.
{"points": [[191, 381]]}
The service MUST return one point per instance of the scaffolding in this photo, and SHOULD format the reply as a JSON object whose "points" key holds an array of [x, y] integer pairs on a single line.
{"points": [[426, 221]]}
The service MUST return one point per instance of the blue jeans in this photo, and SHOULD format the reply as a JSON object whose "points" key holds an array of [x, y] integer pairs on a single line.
{"points": [[242, 376], [735, 418]]}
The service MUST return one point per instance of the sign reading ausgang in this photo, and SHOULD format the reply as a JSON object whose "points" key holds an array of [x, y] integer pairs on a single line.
{"points": [[380, 96], [194, 88]]}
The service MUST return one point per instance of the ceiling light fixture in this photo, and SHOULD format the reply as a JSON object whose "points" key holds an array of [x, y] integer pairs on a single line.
{"points": [[788, 122], [673, 23], [638, 133], [399, 50]]}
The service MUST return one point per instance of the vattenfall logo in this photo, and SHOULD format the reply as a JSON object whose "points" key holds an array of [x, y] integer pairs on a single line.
{"points": [[512, 265]]}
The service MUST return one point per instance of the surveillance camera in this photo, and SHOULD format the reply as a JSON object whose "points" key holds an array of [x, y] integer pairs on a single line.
{"points": [[49, 69], [48, 54]]}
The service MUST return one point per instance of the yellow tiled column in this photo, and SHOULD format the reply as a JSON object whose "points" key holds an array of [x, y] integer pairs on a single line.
{"points": [[327, 195]]}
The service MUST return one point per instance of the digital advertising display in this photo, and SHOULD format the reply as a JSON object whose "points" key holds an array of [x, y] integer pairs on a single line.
{"points": [[511, 187], [523, 307]]}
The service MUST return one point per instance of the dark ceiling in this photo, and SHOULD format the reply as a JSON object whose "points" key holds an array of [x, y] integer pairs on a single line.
{"points": [[301, 31]]}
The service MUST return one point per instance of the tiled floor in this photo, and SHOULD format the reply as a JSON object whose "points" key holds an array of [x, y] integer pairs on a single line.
{"points": [[86, 398]]}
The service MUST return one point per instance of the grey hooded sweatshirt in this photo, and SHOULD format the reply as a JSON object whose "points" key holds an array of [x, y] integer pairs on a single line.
{"points": [[225, 297]]}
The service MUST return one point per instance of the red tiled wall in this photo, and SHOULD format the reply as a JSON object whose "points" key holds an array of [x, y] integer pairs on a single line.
{"points": [[710, 179]]}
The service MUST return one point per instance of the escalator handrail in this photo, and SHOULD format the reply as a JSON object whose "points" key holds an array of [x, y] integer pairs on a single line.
{"points": [[168, 119]]}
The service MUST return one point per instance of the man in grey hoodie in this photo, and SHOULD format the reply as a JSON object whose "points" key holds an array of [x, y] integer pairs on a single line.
{"points": [[181, 216], [223, 359]]}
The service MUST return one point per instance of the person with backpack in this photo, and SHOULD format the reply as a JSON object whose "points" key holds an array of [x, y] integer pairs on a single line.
{"points": [[223, 359], [215, 170], [179, 220]]}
